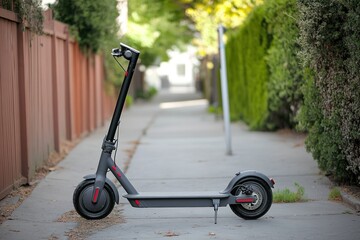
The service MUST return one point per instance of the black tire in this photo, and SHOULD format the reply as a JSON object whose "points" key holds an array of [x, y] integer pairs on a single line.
{"points": [[263, 203], [82, 200]]}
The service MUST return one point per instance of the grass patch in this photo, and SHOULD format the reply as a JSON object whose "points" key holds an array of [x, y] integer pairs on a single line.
{"points": [[334, 194], [214, 110], [288, 196]]}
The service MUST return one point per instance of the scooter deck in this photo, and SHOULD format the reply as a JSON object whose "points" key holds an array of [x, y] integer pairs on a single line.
{"points": [[176, 199]]}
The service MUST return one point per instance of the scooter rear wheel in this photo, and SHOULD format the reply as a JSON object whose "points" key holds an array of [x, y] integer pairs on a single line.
{"points": [[260, 190], [82, 200]]}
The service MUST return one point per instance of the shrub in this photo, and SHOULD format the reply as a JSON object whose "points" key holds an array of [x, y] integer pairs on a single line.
{"points": [[29, 13], [147, 94], [92, 22], [285, 71], [247, 70], [330, 33], [263, 68]]}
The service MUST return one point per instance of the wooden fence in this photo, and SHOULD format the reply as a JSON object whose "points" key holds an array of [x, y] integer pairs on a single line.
{"points": [[50, 93]]}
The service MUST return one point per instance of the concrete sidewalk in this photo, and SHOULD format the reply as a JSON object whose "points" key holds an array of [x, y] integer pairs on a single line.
{"points": [[180, 147]]}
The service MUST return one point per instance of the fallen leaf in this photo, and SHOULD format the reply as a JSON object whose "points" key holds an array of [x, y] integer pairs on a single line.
{"points": [[171, 234]]}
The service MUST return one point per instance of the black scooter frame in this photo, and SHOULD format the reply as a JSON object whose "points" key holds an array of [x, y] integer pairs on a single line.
{"points": [[147, 200]]}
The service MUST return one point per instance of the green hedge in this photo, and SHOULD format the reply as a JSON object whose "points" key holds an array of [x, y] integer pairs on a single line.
{"points": [[263, 68], [305, 54], [330, 39], [247, 71], [286, 75]]}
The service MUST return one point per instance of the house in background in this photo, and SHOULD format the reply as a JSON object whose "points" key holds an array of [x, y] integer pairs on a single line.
{"points": [[180, 71]]}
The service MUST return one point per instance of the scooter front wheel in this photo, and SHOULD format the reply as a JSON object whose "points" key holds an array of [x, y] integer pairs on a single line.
{"points": [[82, 200], [262, 193]]}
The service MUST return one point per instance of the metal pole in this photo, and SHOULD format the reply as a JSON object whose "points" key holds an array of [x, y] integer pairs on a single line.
{"points": [[224, 91]]}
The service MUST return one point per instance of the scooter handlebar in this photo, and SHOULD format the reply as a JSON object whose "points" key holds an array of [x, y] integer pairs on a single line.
{"points": [[125, 51]]}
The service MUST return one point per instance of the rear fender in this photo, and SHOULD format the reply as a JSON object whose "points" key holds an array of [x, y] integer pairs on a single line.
{"points": [[110, 183], [246, 174]]}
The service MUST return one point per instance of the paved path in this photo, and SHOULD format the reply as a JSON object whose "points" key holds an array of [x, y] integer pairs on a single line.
{"points": [[178, 146]]}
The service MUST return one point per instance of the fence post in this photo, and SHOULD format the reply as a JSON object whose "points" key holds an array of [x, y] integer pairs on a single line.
{"points": [[68, 88], [23, 104], [55, 86]]}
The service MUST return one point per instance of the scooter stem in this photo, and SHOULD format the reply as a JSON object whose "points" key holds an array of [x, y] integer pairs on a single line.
{"points": [[132, 56]]}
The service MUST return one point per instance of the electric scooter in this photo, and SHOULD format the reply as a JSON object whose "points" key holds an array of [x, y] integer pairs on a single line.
{"points": [[249, 193]]}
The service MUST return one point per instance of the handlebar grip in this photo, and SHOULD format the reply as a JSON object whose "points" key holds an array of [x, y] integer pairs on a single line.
{"points": [[116, 52]]}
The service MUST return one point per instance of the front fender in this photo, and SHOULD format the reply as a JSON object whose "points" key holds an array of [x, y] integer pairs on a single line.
{"points": [[245, 174], [111, 184]]}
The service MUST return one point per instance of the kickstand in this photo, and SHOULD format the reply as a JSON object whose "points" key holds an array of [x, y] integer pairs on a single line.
{"points": [[216, 203]]}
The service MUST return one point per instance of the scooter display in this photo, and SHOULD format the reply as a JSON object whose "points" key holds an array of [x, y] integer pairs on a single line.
{"points": [[248, 194]]}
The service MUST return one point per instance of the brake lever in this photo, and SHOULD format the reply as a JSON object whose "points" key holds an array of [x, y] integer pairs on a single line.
{"points": [[116, 52]]}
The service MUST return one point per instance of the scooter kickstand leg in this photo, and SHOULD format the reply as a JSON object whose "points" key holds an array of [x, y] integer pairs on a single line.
{"points": [[216, 203]]}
